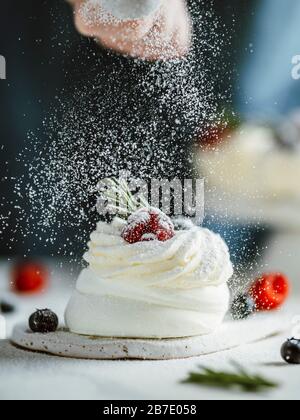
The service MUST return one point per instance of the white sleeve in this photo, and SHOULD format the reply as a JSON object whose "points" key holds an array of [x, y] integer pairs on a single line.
{"points": [[130, 9]]}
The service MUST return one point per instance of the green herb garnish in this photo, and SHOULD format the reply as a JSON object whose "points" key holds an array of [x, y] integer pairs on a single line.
{"points": [[119, 198], [227, 380]]}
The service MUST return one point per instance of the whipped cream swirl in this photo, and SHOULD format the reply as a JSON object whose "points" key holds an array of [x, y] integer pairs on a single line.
{"points": [[171, 272], [176, 288]]}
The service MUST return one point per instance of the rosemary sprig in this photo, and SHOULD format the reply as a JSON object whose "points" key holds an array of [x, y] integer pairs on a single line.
{"points": [[227, 380], [119, 198]]}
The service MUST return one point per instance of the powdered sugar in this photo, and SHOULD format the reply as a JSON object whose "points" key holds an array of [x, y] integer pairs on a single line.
{"points": [[109, 11], [139, 217], [149, 237], [92, 13], [126, 114]]}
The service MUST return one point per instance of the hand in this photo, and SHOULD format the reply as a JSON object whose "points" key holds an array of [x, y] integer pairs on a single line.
{"points": [[164, 35]]}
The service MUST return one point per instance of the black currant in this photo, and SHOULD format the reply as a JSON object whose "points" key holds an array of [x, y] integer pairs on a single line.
{"points": [[242, 307], [43, 321], [290, 351], [6, 308]]}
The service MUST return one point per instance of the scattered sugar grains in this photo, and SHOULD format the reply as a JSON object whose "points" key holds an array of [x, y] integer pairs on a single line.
{"points": [[109, 10], [125, 114]]}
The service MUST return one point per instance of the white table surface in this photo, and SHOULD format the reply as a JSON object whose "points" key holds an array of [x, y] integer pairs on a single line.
{"points": [[25, 375]]}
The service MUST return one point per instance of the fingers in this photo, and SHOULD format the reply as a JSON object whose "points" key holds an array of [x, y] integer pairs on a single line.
{"points": [[91, 20], [170, 37], [163, 35]]}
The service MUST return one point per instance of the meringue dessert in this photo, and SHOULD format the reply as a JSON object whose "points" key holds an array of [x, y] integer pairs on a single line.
{"points": [[256, 161], [146, 280]]}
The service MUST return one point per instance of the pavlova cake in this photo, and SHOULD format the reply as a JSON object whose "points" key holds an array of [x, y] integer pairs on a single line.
{"points": [[252, 173], [255, 160], [145, 279]]}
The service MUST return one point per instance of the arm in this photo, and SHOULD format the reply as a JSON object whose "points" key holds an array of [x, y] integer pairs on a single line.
{"points": [[165, 33]]}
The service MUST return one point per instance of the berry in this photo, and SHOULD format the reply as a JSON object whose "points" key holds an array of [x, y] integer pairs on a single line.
{"points": [[213, 137], [242, 307], [146, 225], [270, 291], [6, 308], [290, 351], [43, 321], [29, 277]]}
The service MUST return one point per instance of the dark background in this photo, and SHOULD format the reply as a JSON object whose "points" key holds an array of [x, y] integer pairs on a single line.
{"points": [[47, 60]]}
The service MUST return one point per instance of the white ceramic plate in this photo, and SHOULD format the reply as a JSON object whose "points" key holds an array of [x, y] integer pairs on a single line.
{"points": [[230, 335]]}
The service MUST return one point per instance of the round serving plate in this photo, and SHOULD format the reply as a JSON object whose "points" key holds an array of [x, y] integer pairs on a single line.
{"points": [[231, 334]]}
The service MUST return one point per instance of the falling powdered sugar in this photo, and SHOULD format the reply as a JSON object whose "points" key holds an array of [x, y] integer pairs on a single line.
{"points": [[123, 114], [109, 11]]}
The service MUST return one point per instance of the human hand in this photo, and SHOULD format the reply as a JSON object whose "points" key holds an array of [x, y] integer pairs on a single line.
{"points": [[164, 34]]}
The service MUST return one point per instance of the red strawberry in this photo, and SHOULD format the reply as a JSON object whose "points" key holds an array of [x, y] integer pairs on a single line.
{"points": [[270, 291], [29, 277], [163, 235], [214, 137], [148, 224]]}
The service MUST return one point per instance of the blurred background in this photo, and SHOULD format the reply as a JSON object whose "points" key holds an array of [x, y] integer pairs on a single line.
{"points": [[229, 112]]}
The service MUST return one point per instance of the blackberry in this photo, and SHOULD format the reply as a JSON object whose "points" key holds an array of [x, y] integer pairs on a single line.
{"points": [[242, 307], [6, 308], [43, 321], [290, 351]]}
